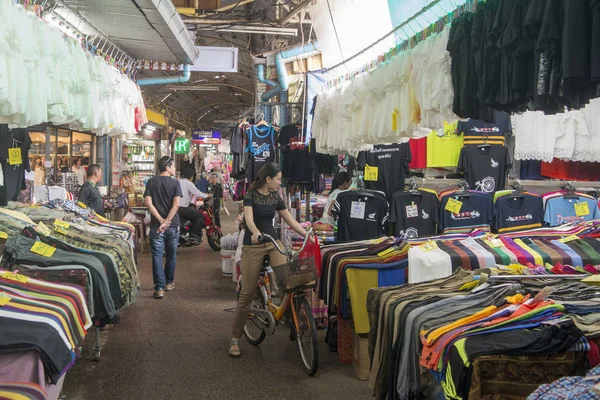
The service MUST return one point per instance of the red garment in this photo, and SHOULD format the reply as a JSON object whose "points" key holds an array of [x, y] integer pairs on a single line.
{"points": [[418, 149], [571, 170], [593, 355]]}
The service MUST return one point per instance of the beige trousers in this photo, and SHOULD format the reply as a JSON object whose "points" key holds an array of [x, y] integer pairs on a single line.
{"points": [[251, 264]]}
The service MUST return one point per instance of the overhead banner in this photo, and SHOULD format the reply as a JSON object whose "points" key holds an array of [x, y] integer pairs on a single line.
{"points": [[206, 137]]}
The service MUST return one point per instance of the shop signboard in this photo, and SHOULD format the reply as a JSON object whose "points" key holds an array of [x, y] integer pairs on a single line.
{"points": [[182, 146], [206, 137]]}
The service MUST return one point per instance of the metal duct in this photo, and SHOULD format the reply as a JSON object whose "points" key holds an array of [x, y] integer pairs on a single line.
{"points": [[167, 79]]}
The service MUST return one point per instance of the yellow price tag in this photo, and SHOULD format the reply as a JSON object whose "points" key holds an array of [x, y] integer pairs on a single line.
{"points": [[569, 238], [371, 173], [60, 230], [4, 299], [581, 209], [431, 245], [3, 235], [453, 205], [493, 243], [385, 252], [61, 223], [15, 277], [14, 156], [42, 249], [80, 204], [43, 229]]}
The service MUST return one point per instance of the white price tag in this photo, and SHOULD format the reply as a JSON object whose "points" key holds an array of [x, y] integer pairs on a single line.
{"points": [[358, 210], [412, 211]]}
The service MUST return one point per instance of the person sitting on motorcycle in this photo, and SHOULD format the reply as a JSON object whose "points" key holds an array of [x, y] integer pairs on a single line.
{"points": [[187, 210]]}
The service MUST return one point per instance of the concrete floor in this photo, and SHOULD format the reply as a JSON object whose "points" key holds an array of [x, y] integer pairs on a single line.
{"points": [[176, 348]]}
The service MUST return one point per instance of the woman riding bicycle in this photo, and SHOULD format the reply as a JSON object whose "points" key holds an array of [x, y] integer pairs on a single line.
{"points": [[260, 204]]}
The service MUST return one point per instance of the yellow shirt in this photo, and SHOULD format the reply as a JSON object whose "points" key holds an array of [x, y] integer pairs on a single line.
{"points": [[444, 151]]}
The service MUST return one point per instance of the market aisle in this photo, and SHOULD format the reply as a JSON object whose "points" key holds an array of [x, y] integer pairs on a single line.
{"points": [[176, 348]]}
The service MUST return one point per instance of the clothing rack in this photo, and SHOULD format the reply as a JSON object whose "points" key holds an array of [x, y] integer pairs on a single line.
{"points": [[407, 43]]}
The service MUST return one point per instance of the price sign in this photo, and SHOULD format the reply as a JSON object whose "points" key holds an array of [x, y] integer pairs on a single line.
{"points": [[3, 235], [453, 206], [60, 230], [431, 245], [43, 249], [581, 209], [569, 238], [371, 173], [494, 242], [15, 277], [43, 229], [80, 204], [14, 156], [61, 223], [4, 299]]}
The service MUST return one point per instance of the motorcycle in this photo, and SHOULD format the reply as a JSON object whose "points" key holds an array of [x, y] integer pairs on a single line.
{"points": [[213, 233]]}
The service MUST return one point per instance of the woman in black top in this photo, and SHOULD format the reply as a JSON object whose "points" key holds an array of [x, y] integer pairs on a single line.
{"points": [[260, 204]]}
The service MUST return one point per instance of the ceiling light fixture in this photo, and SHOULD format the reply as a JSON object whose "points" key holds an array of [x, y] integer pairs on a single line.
{"points": [[260, 29]]}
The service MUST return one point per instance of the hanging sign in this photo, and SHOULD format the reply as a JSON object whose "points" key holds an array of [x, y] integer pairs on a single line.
{"points": [[206, 137], [42, 249], [453, 206], [182, 146], [14, 156], [371, 173], [582, 209]]}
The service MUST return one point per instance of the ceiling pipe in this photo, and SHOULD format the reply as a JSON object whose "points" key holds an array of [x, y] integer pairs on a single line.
{"points": [[187, 73], [260, 74], [282, 76]]}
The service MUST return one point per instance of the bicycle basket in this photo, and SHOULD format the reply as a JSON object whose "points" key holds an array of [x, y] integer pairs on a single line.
{"points": [[296, 274]]}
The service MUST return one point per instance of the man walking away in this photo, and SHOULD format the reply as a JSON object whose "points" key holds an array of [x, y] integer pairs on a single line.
{"points": [[89, 193], [216, 190], [162, 197], [189, 193]]}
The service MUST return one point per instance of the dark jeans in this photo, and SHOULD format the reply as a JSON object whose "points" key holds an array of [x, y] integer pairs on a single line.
{"points": [[161, 242], [217, 213], [193, 215]]}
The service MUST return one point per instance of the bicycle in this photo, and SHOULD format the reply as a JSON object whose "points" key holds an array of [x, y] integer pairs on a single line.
{"points": [[294, 278]]}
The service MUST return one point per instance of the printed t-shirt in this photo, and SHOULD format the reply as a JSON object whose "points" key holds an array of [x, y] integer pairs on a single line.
{"points": [[360, 216], [414, 215], [476, 212], [485, 167], [476, 131], [560, 210], [296, 158], [391, 162], [163, 190], [518, 213], [443, 147]]}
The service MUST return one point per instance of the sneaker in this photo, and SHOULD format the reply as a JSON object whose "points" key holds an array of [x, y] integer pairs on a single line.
{"points": [[169, 287], [159, 294]]}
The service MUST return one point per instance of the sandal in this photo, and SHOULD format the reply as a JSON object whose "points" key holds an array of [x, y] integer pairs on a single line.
{"points": [[234, 349]]}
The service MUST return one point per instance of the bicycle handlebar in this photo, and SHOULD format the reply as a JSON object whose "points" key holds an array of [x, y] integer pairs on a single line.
{"points": [[263, 238]]}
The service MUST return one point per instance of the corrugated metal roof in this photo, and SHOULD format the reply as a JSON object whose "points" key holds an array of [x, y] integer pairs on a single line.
{"points": [[144, 29]]}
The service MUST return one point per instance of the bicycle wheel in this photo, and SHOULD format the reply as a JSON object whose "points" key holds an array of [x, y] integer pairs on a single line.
{"points": [[307, 336], [252, 331]]}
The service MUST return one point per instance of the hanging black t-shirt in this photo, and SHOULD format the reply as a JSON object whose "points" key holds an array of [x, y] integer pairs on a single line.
{"points": [[485, 167], [477, 211], [263, 212], [477, 131], [14, 175], [296, 164], [414, 215], [517, 213], [360, 216], [392, 164], [163, 189], [261, 149]]}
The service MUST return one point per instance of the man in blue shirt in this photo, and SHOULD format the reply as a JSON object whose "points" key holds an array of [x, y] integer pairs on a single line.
{"points": [[202, 183]]}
